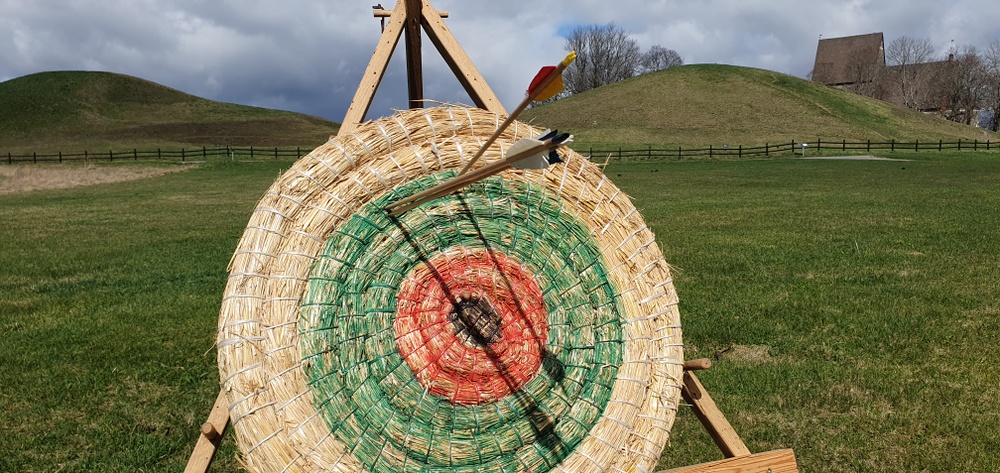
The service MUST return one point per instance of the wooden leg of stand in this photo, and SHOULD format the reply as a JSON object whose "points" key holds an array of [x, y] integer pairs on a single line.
{"points": [[710, 416], [777, 461], [210, 437]]}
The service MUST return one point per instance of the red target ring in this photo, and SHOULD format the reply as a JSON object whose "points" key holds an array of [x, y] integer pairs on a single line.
{"points": [[471, 325]]}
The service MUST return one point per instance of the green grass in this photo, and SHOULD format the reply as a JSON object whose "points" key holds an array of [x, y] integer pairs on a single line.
{"points": [[701, 105], [852, 304], [73, 111]]}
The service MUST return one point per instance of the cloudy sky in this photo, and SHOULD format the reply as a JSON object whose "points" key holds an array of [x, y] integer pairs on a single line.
{"points": [[308, 55]]}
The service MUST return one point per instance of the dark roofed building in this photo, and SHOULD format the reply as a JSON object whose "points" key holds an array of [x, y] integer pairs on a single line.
{"points": [[841, 62]]}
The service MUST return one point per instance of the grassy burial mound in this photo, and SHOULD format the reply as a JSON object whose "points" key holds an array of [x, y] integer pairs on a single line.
{"points": [[718, 104], [74, 111]]}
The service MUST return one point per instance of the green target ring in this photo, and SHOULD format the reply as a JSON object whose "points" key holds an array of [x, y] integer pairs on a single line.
{"points": [[526, 323]]}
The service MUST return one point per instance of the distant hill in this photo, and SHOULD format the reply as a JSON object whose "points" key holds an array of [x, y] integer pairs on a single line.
{"points": [[74, 111], [717, 104]]}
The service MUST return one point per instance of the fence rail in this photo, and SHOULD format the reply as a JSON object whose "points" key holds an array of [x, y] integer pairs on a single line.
{"points": [[183, 154], [725, 151], [796, 147]]}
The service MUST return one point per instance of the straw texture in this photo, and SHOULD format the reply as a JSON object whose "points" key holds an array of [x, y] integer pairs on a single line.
{"points": [[526, 323]]}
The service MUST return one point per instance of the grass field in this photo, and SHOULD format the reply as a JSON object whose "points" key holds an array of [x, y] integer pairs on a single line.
{"points": [[851, 307]]}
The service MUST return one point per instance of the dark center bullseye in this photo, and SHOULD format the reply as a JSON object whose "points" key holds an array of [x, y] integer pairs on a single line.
{"points": [[475, 322]]}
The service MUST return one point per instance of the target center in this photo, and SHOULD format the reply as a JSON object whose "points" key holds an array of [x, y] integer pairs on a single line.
{"points": [[475, 322]]}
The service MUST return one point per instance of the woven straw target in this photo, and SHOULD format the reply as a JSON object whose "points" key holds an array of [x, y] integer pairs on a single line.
{"points": [[525, 323]]}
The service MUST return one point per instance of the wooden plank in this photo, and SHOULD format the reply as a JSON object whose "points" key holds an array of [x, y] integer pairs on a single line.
{"points": [[414, 61], [210, 437], [711, 417], [459, 62], [777, 461], [375, 71], [388, 13]]}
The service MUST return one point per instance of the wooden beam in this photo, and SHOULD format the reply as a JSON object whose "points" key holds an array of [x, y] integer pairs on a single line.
{"points": [[388, 13], [414, 61], [698, 364], [210, 437], [711, 417], [777, 461], [375, 71], [458, 61]]}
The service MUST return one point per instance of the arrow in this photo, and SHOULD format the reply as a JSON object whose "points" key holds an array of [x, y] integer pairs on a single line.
{"points": [[525, 154], [546, 84]]}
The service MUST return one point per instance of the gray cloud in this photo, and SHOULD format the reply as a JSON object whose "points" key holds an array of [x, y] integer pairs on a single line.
{"points": [[308, 55]]}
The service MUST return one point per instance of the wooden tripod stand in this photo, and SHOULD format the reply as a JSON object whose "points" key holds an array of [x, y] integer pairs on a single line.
{"points": [[410, 16]]}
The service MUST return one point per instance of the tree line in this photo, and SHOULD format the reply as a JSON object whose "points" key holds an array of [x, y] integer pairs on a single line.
{"points": [[607, 54], [957, 86]]}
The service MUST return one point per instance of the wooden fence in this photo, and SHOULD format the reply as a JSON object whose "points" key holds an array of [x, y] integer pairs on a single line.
{"points": [[183, 154], [649, 152], [795, 147]]}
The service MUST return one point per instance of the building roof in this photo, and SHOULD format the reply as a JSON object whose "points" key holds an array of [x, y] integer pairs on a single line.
{"points": [[835, 55]]}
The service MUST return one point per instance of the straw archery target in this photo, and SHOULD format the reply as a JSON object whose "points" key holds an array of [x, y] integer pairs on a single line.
{"points": [[526, 323]]}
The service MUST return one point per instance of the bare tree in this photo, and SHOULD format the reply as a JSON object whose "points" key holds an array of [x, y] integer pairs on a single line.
{"points": [[965, 84], [865, 77], [907, 55], [658, 58], [605, 54], [991, 71]]}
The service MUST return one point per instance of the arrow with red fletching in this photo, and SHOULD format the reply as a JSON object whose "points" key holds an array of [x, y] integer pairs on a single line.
{"points": [[546, 84]]}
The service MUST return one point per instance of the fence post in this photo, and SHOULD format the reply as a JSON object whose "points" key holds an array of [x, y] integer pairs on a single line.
{"points": [[619, 153], [916, 146], [183, 157], [960, 144], [251, 151], [678, 152], [819, 144], [894, 144], [275, 152], [10, 159], [975, 145], [591, 152], [86, 157], [869, 150], [649, 153], [767, 151], [940, 145], [741, 153], [843, 146], [135, 154], [709, 151], [298, 152], [158, 156], [60, 156], [34, 157]]}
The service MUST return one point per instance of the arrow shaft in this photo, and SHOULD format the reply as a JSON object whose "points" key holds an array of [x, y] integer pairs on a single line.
{"points": [[458, 182]]}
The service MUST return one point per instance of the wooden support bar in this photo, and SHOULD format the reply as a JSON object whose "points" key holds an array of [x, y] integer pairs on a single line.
{"points": [[459, 62], [388, 13], [375, 71], [210, 437], [697, 365], [711, 418], [414, 61], [776, 461]]}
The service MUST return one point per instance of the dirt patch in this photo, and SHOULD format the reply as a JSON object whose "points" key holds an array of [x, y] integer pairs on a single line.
{"points": [[21, 179], [751, 354]]}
